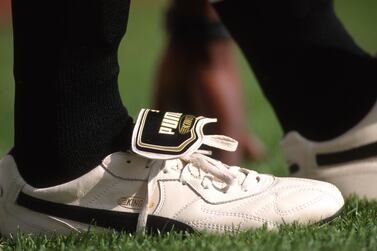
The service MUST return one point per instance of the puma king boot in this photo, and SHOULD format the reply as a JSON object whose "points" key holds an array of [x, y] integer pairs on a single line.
{"points": [[348, 161], [167, 182]]}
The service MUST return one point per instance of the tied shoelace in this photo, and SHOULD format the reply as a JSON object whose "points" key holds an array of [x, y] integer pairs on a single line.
{"points": [[214, 171]]}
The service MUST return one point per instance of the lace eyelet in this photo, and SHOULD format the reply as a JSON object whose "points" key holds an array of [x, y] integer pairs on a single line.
{"points": [[258, 179], [205, 187], [183, 182], [165, 171]]}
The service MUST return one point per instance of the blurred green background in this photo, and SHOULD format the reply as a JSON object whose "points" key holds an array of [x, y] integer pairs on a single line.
{"points": [[139, 55]]}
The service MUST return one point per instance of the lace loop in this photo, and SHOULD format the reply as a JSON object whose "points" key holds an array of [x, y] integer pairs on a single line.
{"points": [[209, 165], [221, 142]]}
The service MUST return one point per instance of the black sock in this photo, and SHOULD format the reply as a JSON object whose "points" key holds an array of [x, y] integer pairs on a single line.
{"points": [[68, 111], [317, 79]]}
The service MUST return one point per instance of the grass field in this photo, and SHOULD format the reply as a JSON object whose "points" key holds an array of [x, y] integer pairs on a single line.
{"points": [[356, 229]]}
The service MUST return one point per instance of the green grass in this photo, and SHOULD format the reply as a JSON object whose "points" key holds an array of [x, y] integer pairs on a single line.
{"points": [[356, 229]]}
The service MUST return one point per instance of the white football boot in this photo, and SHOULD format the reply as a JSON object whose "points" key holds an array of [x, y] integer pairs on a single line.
{"points": [[348, 161], [165, 183]]}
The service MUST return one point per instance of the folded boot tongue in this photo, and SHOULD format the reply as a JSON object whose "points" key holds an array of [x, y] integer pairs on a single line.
{"points": [[169, 135]]}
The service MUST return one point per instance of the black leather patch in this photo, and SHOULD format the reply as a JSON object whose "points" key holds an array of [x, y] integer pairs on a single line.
{"points": [[120, 221], [354, 154]]}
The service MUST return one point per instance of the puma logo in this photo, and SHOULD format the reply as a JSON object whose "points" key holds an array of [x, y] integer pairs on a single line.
{"points": [[169, 123], [185, 124]]}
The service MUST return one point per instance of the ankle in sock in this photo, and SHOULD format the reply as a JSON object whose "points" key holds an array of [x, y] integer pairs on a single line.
{"points": [[317, 79], [68, 111]]}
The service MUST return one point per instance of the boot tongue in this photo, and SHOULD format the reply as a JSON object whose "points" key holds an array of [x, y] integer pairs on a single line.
{"points": [[169, 135]]}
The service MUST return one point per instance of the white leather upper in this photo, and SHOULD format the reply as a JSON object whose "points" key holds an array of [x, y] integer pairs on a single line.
{"points": [[183, 194]]}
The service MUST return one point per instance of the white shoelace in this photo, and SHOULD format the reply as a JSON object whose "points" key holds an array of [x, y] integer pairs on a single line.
{"points": [[214, 170]]}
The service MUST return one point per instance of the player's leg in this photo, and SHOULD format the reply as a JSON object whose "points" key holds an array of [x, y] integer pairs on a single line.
{"points": [[68, 111], [309, 67], [319, 81], [198, 75], [165, 183]]}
